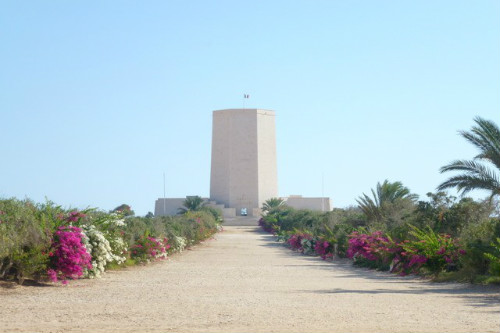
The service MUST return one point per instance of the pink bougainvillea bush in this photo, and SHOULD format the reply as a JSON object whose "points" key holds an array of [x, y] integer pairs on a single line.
{"points": [[69, 257], [40, 241], [324, 248], [372, 250], [455, 237], [425, 251], [267, 226], [149, 248], [302, 242]]}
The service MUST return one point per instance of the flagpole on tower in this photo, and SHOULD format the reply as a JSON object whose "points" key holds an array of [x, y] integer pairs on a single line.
{"points": [[245, 96]]}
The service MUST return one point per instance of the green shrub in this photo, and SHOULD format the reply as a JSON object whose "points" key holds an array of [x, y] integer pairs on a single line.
{"points": [[27, 232], [194, 226], [440, 251], [494, 258], [477, 238], [24, 241]]}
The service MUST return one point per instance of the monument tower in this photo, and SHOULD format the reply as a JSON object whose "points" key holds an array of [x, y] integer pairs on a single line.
{"points": [[244, 172]]}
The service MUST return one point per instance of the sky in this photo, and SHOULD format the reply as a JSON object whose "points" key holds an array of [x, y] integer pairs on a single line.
{"points": [[99, 98]]}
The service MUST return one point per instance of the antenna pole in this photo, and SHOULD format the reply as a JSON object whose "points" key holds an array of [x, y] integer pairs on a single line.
{"points": [[323, 192], [164, 196]]}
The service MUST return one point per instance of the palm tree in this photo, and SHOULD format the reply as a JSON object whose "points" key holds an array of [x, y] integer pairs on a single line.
{"points": [[194, 203], [271, 204], [386, 192], [476, 175]]}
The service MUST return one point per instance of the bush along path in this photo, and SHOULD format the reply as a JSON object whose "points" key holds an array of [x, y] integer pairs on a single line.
{"points": [[420, 251], [43, 242], [427, 252]]}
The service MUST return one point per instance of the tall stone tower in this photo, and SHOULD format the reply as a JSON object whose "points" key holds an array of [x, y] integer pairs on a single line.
{"points": [[244, 172]]}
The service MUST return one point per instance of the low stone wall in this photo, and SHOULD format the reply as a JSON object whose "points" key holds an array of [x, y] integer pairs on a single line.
{"points": [[313, 203], [168, 206]]}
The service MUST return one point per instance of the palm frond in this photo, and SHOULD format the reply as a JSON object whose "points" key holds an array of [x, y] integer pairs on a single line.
{"points": [[384, 193], [369, 207], [486, 137], [465, 183], [467, 166], [193, 203], [475, 176]]}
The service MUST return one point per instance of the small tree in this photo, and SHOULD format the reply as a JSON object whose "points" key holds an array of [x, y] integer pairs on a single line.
{"points": [[387, 198], [272, 204], [124, 209], [194, 203]]}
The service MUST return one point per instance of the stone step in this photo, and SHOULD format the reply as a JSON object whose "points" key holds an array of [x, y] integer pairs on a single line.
{"points": [[248, 221]]}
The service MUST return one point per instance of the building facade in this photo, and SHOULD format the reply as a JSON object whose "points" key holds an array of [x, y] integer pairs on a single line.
{"points": [[321, 204], [243, 171]]}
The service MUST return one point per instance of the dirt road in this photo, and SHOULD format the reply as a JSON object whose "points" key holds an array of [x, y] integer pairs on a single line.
{"points": [[244, 282]]}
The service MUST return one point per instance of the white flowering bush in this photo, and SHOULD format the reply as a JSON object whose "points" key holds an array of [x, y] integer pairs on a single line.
{"points": [[119, 248], [111, 226], [180, 244], [101, 250], [114, 220]]}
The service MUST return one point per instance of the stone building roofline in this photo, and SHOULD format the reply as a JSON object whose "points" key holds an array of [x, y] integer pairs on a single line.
{"points": [[261, 111]]}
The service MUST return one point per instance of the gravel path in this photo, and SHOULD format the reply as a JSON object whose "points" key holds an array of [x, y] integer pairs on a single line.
{"points": [[244, 282]]}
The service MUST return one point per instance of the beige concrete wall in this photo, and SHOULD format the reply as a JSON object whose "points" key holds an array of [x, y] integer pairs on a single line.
{"points": [[243, 172], [226, 212], [221, 155], [229, 212], [266, 163], [318, 204], [168, 206], [172, 206]]}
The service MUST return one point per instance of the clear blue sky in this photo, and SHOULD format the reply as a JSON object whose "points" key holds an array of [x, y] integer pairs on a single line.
{"points": [[99, 98]]}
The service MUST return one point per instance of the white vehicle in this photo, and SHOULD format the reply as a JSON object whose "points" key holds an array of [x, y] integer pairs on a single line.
{"points": [[243, 212]]}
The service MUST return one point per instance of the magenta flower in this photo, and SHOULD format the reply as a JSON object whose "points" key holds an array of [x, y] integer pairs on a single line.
{"points": [[70, 257]]}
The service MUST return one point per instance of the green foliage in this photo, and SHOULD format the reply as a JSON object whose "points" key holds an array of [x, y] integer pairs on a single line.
{"points": [[216, 213], [477, 238], [288, 219], [194, 226], [352, 216], [440, 250], [27, 232], [333, 227], [494, 258], [446, 215], [337, 225], [432, 233], [24, 239]]}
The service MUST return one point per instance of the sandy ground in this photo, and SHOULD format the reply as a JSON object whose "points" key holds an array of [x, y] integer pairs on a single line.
{"points": [[245, 282]]}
